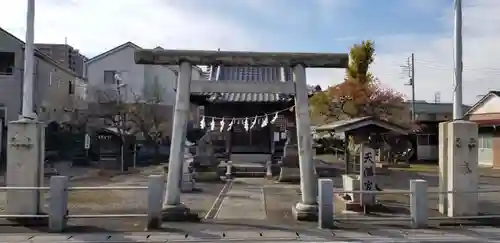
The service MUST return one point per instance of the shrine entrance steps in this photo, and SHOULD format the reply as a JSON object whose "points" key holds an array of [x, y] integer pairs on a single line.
{"points": [[247, 169], [258, 169]]}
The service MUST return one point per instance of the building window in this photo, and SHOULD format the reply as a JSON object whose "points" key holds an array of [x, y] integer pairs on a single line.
{"points": [[485, 141], [427, 139], [423, 139], [7, 63], [433, 139], [109, 77], [71, 87]]}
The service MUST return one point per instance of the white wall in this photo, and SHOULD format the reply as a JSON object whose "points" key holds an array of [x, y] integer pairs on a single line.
{"points": [[123, 62], [491, 105], [139, 79], [166, 78]]}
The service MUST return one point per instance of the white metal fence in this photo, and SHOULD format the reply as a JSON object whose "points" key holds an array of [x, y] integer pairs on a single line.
{"points": [[419, 205], [58, 214]]}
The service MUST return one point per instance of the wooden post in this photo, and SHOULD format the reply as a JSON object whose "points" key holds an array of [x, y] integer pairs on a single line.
{"points": [[347, 156]]}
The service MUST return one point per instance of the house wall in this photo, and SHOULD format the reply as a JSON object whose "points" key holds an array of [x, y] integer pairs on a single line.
{"points": [[53, 99], [494, 151], [496, 148], [160, 77], [50, 98], [491, 105], [487, 115], [11, 86], [142, 81], [122, 61]]}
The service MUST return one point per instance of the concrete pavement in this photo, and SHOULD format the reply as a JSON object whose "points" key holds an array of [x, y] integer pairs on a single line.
{"points": [[243, 201], [475, 234]]}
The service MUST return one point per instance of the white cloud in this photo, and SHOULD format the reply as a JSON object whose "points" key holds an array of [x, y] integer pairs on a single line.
{"points": [[434, 55], [97, 25]]}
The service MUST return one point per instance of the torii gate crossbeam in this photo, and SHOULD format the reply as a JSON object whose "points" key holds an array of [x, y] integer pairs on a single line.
{"points": [[307, 207]]}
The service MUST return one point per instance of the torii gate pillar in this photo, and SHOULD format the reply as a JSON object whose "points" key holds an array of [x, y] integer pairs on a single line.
{"points": [[307, 208], [172, 206]]}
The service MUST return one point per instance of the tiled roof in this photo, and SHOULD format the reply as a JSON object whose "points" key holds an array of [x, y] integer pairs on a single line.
{"points": [[254, 74], [349, 124], [246, 97]]}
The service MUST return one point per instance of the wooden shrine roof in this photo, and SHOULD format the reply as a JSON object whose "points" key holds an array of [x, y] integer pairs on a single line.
{"points": [[355, 123]]}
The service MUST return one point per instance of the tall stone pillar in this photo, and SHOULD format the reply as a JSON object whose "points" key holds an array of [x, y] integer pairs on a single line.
{"points": [[462, 168], [443, 167], [173, 209], [307, 208], [25, 162]]}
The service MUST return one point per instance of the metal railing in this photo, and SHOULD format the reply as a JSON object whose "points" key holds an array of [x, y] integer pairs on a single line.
{"points": [[58, 202], [418, 193]]}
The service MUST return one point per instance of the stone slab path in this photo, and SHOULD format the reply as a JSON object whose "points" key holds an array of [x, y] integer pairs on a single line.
{"points": [[245, 200]]}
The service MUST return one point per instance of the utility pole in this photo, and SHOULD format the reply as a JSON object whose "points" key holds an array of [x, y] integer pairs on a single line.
{"points": [[457, 51], [410, 68], [27, 107]]}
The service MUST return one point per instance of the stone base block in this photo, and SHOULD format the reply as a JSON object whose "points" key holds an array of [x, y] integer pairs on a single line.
{"points": [[187, 183], [178, 213], [187, 186], [289, 174], [304, 212], [351, 183]]}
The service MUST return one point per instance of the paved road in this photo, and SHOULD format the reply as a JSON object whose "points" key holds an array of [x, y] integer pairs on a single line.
{"points": [[206, 233]]}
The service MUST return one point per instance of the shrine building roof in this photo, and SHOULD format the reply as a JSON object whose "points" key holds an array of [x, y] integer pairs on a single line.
{"points": [[355, 123]]}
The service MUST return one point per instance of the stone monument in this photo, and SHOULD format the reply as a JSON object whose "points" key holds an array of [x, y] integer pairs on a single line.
{"points": [[462, 168], [289, 164], [188, 181], [367, 176], [25, 163]]}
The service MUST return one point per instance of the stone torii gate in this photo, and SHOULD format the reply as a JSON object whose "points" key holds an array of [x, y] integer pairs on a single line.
{"points": [[307, 207]]}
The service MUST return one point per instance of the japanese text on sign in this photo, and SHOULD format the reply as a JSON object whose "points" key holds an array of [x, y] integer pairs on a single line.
{"points": [[367, 174]]}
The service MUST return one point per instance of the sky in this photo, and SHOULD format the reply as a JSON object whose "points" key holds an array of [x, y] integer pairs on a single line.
{"points": [[398, 28]]}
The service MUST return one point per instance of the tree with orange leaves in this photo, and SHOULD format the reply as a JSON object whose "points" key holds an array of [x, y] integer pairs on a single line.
{"points": [[360, 94]]}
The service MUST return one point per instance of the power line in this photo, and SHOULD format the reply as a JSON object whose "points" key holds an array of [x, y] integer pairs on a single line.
{"points": [[468, 68]]}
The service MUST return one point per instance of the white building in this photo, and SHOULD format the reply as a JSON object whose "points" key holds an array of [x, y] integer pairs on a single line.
{"points": [[114, 75], [53, 92], [135, 80]]}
